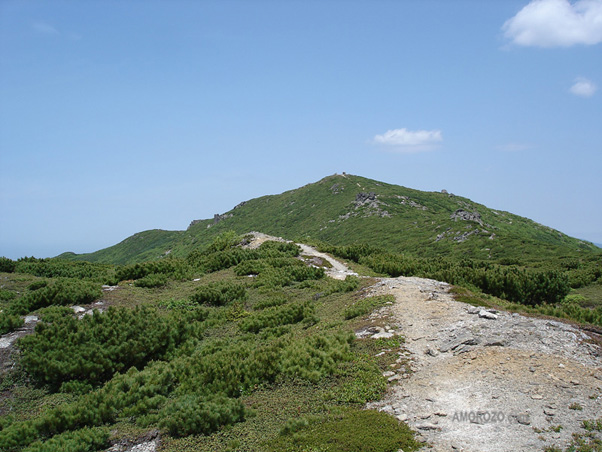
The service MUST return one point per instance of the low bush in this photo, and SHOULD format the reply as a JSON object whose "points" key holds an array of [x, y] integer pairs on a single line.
{"points": [[151, 280], [349, 284], [83, 440], [37, 284], [9, 322], [7, 265], [277, 316], [168, 268], [63, 292], [6, 295], [348, 431], [192, 414], [94, 348], [315, 356], [270, 302], [367, 305], [218, 294], [58, 268]]}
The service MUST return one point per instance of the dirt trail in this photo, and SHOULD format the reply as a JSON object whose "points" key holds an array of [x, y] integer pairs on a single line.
{"points": [[337, 271], [484, 381]]}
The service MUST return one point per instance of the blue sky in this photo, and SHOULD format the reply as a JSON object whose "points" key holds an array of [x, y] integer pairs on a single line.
{"points": [[118, 117]]}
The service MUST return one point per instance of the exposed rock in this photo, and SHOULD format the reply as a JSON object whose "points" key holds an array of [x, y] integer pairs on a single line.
{"points": [[487, 315], [455, 343], [193, 222], [217, 217], [464, 215], [364, 198]]}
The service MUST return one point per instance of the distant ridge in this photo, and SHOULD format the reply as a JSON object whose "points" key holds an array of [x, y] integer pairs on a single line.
{"points": [[343, 209]]}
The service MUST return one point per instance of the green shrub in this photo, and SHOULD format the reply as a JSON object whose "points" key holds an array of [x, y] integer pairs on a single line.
{"points": [[528, 287], [218, 294], [349, 284], [349, 431], [83, 440], [9, 322], [6, 295], [315, 356], [224, 241], [168, 268], [63, 292], [272, 301], [280, 273], [58, 268], [37, 284], [7, 265], [192, 414], [272, 248], [54, 313], [367, 305], [250, 267], [277, 316], [94, 348], [152, 280], [362, 381]]}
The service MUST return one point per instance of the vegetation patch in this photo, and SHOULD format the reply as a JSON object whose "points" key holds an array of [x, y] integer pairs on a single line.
{"points": [[349, 431], [364, 306]]}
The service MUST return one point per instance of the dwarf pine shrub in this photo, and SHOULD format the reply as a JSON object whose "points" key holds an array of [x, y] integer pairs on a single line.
{"points": [[63, 292], [218, 294], [277, 316], [94, 348], [193, 414], [151, 280], [9, 322]]}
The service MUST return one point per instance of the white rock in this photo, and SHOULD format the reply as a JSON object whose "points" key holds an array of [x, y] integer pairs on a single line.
{"points": [[487, 315]]}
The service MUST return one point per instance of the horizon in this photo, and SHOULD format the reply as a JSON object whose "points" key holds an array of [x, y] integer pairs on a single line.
{"points": [[120, 117]]}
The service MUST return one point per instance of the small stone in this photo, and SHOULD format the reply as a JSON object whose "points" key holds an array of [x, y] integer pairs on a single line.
{"points": [[523, 419], [402, 417], [575, 382], [388, 373], [427, 426], [487, 315], [561, 365], [531, 369], [549, 412], [537, 397], [78, 309]]}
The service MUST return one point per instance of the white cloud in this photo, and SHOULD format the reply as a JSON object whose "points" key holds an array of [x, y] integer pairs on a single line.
{"points": [[410, 141], [44, 28], [583, 87], [513, 147], [556, 23]]}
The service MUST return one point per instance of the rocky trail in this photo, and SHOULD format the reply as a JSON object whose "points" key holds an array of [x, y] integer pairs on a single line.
{"points": [[481, 380], [484, 381]]}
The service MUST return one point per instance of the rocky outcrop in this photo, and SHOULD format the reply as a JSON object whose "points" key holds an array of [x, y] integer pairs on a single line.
{"points": [[464, 215], [217, 218], [363, 199]]}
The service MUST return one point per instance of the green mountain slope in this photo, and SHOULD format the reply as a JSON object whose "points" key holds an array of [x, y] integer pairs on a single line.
{"points": [[345, 209]]}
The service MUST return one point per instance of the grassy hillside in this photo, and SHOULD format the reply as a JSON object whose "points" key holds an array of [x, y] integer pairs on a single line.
{"points": [[346, 209]]}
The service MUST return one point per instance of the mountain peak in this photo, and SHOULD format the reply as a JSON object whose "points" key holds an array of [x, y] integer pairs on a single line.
{"points": [[344, 209]]}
